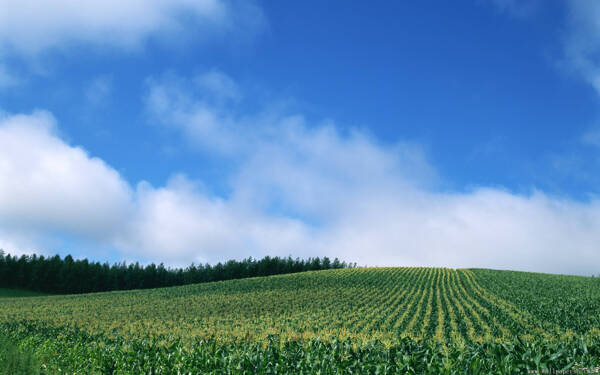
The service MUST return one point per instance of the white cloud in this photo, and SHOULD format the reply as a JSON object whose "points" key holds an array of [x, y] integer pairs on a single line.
{"points": [[485, 228], [181, 223], [47, 185], [196, 109], [317, 172], [32, 26], [50, 188], [375, 204], [301, 189]]}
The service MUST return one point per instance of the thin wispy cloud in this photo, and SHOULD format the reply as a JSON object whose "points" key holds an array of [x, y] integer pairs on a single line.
{"points": [[516, 8], [7, 78], [582, 40], [30, 27], [592, 138], [218, 84], [99, 90]]}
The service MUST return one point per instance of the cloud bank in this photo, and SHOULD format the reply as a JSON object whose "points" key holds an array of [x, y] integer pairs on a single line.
{"points": [[49, 188], [299, 188]]}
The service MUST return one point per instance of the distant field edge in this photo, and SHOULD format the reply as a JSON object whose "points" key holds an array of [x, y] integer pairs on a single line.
{"points": [[11, 292]]}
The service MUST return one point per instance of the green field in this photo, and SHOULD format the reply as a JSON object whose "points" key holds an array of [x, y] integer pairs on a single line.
{"points": [[377, 320]]}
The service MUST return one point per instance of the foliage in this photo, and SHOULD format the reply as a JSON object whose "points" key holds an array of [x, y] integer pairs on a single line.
{"points": [[378, 320], [75, 352], [571, 302], [69, 276], [17, 362]]}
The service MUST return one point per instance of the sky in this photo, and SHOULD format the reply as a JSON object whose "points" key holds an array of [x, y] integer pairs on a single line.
{"points": [[429, 133]]}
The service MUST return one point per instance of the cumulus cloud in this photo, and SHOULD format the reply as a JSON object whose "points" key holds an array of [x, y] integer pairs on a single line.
{"points": [[182, 223], [378, 204], [30, 26], [298, 189], [49, 188], [48, 185]]}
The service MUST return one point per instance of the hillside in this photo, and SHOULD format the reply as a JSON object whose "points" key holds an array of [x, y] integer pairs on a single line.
{"points": [[428, 307], [569, 302]]}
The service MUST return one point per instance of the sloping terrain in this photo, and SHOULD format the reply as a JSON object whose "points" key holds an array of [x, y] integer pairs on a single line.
{"points": [[569, 302], [430, 307]]}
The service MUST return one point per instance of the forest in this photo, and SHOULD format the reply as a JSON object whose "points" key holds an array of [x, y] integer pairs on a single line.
{"points": [[56, 275]]}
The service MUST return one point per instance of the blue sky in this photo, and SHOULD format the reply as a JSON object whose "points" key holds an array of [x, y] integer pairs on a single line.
{"points": [[416, 133]]}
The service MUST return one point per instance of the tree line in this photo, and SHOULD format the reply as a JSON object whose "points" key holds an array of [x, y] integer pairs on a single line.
{"points": [[66, 275]]}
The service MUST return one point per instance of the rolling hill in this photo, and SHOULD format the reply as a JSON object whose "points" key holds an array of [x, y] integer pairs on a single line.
{"points": [[434, 320]]}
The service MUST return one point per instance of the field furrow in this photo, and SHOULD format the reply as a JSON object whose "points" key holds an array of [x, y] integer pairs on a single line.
{"points": [[441, 307]]}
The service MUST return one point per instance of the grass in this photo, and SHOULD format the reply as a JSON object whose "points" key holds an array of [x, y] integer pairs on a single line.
{"points": [[14, 361], [17, 362]]}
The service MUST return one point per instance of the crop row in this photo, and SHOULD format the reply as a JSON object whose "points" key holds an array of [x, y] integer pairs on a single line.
{"points": [[378, 320], [73, 352], [425, 304]]}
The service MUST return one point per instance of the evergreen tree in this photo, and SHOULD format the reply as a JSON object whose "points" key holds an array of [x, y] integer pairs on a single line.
{"points": [[56, 275]]}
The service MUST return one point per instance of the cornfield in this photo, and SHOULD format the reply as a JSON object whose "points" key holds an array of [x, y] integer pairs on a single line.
{"points": [[377, 320]]}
